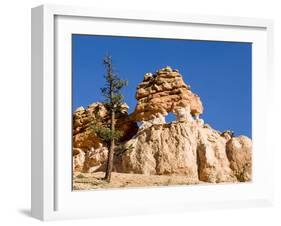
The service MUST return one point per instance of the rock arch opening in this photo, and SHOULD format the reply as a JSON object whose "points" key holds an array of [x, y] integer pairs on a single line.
{"points": [[170, 117]]}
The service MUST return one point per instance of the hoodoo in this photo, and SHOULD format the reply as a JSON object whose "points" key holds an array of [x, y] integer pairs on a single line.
{"points": [[186, 146]]}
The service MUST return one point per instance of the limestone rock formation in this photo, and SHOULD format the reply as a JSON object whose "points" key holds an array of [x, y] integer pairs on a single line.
{"points": [[78, 159], [164, 92], [239, 153], [186, 146], [180, 148], [89, 151]]}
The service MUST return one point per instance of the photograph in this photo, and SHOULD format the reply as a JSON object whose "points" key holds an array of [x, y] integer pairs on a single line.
{"points": [[150, 112]]}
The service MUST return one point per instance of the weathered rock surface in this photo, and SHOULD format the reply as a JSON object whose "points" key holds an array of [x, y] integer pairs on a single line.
{"points": [[164, 92], [179, 148], [186, 147], [89, 151], [239, 153], [78, 159]]}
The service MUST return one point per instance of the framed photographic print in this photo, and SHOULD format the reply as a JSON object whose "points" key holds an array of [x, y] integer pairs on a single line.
{"points": [[141, 112]]}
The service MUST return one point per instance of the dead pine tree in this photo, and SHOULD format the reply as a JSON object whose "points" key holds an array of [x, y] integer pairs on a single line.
{"points": [[113, 102]]}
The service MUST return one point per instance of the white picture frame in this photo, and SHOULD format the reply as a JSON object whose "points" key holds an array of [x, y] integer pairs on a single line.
{"points": [[52, 195]]}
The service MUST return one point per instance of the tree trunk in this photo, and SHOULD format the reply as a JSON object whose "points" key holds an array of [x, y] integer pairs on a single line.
{"points": [[111, 150]]}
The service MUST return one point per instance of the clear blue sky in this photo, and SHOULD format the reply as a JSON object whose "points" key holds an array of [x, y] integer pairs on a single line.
{"points": [[219, 72]]}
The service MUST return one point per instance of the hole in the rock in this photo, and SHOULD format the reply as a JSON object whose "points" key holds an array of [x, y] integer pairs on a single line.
{"points": [[170, 117]]}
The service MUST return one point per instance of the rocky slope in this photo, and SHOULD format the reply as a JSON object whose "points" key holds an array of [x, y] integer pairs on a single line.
{"points": [[186, 147]]}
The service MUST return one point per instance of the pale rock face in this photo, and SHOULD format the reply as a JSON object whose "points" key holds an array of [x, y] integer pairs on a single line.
{"points": [[159, 119], [212, 159], [180, 148], [239, 152], [200, 122], [183, 114], [95, 159], [159, 150], [78, 159], [79, 109], [228, 134]]}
